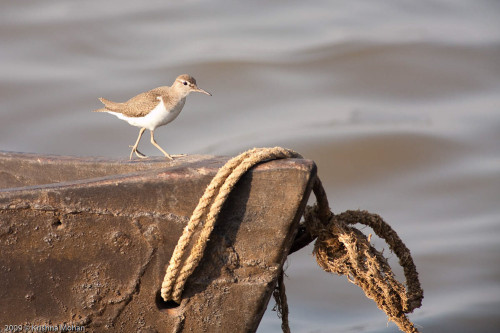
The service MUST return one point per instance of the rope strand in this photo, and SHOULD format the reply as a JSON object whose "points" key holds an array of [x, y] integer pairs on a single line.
{"points": [[221, 185]]}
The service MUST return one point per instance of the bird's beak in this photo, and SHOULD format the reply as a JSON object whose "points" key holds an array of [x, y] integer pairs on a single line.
{"points": [[202, 91]]}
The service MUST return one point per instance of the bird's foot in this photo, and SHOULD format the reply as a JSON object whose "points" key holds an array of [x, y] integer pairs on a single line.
{"points": [[137, 152], [168, 156], [140, 155]]}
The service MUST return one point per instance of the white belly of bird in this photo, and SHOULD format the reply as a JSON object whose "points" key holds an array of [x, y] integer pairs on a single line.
{"points": [[159, 116]]}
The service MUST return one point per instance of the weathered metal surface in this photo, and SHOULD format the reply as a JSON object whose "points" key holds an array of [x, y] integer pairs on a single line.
{"points": [[85, 241]]}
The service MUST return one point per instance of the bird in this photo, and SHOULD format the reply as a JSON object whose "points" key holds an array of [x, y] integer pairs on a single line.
{"points": [[153, 108]]}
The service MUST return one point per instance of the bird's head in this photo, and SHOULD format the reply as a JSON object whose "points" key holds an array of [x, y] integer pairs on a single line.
{"points": [[186, 83]]}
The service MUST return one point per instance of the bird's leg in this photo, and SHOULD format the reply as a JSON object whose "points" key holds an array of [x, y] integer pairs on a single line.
{"points": [[134, 147], [158, 146]]}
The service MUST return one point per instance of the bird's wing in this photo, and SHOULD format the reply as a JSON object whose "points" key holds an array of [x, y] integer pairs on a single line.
{"points": [[139, 105]]}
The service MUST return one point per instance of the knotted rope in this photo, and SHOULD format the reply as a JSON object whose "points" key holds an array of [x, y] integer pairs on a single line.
{"points": [[340, 248]]}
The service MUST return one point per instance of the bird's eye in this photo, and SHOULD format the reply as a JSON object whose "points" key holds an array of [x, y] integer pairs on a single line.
{"points": [[185, 83]]}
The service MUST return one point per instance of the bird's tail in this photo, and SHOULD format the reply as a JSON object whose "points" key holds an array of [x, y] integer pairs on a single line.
{"points": [[108, 105]]}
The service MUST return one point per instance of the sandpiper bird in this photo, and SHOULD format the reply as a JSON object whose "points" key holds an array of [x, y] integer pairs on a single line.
{"points": [[153, 108]]}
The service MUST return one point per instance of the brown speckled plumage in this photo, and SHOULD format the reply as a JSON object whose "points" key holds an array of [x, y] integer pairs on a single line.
{"points": [[142, 104]]}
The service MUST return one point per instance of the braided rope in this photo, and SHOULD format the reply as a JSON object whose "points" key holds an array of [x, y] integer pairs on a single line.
{"points": [[220, 187]]}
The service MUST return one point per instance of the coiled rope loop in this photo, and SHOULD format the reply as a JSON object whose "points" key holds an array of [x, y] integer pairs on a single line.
{"points": [[220, 187]]}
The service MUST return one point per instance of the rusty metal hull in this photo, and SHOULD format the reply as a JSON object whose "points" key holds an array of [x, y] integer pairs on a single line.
{"points": [[85, 241]]}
